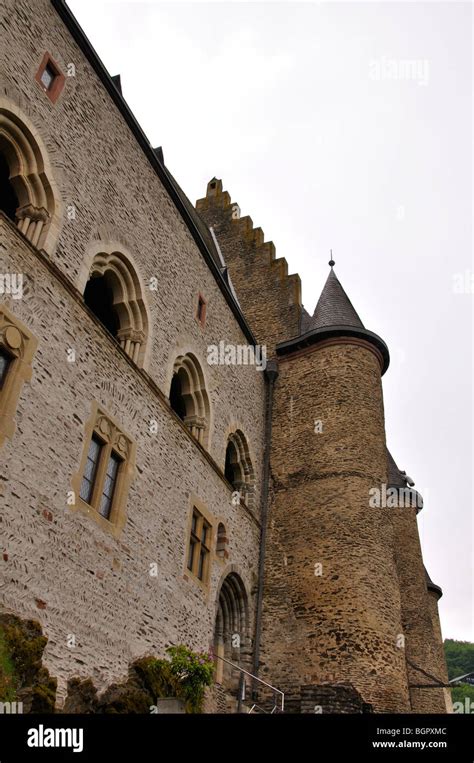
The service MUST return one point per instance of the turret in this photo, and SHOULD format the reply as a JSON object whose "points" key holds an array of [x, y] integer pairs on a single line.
{"points": [[419, 597], [332, 611], [438, 664]]}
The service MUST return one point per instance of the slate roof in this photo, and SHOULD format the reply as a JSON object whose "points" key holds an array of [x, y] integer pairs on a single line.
{"points": [[432, 586], [190, 216], [395, 476], [334, 316], [334, 307], [195, 217]]}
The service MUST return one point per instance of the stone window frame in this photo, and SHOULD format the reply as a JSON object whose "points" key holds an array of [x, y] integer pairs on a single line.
{"points": [[197, 506], [115, 440], [20, 344], [129, 298], [243, 463], [39, 202], [54, 90], [195, 397], [232, 615]]}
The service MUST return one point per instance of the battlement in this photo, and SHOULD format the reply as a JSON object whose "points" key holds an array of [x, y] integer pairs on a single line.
{"points": [[270, 298], [216, 194]]}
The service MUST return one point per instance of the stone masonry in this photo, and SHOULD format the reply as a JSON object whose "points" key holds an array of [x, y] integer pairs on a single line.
{"points": [[336, 602]]}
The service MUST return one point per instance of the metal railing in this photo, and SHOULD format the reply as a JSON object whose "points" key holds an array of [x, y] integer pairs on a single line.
{"points": [[242, 688]]}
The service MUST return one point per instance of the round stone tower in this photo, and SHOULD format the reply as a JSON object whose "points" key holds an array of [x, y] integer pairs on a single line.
{"points": [[332, 611], [438, 665], [419, 596]]}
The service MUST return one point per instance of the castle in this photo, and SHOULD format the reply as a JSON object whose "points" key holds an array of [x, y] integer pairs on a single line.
{"points": [[156, 490]]}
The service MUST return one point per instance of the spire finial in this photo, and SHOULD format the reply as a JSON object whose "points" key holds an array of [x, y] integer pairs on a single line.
{"points": [[331, 261]]}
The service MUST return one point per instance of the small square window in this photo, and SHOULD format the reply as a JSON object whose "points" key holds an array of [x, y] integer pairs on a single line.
{"points": [[48, 76]]}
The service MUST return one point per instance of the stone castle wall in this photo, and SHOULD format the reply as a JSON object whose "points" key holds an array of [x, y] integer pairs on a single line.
{"points": [[421, 642], [340, 621], [57, 566], [270, 298], [61, 568]]}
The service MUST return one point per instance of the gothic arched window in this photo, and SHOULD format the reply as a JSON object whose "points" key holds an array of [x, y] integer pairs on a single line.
{"points": [[238, 468], [113, 293], [188, 396], [26, 195]]}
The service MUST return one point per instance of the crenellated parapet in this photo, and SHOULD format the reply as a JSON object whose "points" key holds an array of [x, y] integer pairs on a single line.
{"points": [[270, 298]]}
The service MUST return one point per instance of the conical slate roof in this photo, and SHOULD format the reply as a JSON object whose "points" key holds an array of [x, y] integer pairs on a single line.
{"points": [[395, 476], [334, 307], [334, 316], [432, 586]]}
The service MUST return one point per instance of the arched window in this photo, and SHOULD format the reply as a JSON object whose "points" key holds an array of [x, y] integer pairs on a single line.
{"points": [[188, 396], [238, 468], [113, 293], [26, 195], [222, 542], [231, 634], [232, 469]]}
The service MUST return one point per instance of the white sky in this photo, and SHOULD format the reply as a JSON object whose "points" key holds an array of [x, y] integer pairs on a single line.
{"points": [[283, 102]]}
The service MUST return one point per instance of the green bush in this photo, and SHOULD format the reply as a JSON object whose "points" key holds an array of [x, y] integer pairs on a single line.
{"points": [[460, 692], [8, 678], [183, 674], [22, 675], [192, 672]]}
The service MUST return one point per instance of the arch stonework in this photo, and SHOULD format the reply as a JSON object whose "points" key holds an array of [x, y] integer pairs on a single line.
{"points": [[31, 176], [232, 629], [242, 462], [195, 396], [134, 334]]}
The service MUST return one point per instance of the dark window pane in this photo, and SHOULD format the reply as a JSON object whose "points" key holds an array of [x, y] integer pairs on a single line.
{"points": [[89, 470], [109, 485], [202, 557], [5, 361], [176, 397], [192, 547], [87, 485], [99, 297], [230, 461]]}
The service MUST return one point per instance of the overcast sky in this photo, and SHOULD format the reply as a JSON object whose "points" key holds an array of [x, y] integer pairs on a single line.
{"points": [[344, 126]]}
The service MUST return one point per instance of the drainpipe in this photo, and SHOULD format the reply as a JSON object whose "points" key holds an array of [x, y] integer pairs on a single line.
{"points": [[271, 374]]}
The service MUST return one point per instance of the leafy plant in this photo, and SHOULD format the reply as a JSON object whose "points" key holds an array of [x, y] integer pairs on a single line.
{"points": [[192, 672], [460, 660], [459, 657]]}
